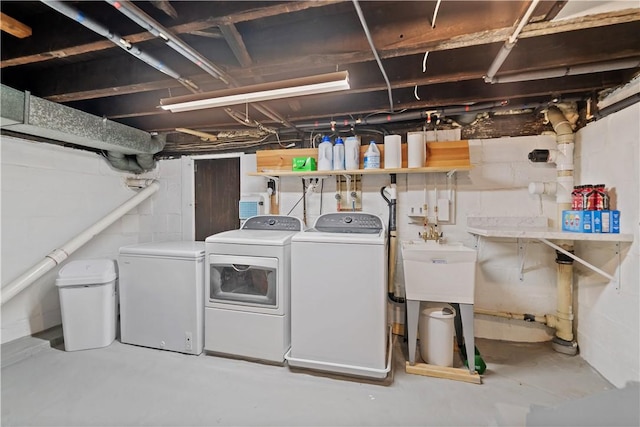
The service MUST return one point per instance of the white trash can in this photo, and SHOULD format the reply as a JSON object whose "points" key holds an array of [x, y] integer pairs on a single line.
{"points": [[87, 290], [436, 329]]}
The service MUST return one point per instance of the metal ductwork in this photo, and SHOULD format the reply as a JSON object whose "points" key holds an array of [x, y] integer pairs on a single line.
{"points": [[128, 149]]}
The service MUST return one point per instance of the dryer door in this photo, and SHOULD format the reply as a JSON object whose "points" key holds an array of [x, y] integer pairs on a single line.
{"points": [[243, 280]]}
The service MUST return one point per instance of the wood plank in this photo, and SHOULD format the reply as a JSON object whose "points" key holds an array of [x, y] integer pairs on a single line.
{"points": [[266, 12], [458, 374], [14, 27], [188, 27], [428, 43], [449, 154], [236, 43]]}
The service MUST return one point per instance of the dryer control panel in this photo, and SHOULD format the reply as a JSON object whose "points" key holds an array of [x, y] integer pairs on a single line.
{"points": [[273, 222], [349, 222]]}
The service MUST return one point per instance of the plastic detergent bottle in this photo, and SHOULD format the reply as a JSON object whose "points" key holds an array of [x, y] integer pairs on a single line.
{"points": [[352, 153], [372, 157], [325, 154], [338, 155]]}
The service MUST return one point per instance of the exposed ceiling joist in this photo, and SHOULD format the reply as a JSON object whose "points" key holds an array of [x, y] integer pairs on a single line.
{"points": [[14, 27], [267, 41]]}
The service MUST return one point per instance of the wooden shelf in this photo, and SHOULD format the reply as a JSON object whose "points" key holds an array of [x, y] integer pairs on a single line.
{"points": [[441, 157], [266, 172]]}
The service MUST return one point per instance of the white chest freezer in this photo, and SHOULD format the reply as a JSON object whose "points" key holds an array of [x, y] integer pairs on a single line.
{"points": [[162, 295]]}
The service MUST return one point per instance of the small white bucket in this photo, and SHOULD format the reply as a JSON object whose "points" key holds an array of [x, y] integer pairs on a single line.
{"points": [[436, 329]]}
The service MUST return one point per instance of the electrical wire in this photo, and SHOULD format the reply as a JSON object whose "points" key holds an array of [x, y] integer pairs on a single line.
{"points": [[321, 191], [304, 202], [306, 191]]}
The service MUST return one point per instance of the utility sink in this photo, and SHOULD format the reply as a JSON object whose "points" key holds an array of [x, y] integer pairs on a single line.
{"points": [[440, 272]]}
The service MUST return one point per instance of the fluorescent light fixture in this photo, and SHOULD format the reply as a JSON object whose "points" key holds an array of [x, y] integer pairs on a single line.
{"points": [[324, 83]]}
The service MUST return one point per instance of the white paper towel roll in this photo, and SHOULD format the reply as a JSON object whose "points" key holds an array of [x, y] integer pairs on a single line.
{"points": [[392, 152], [416, 150]]}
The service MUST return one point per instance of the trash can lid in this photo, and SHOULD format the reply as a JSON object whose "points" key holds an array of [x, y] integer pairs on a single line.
{"points": [[445, 312], [86, 272]]}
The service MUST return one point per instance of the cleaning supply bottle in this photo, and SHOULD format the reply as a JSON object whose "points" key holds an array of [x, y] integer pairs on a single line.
{"points": [[338, 155], [352, 153], [325, 154], [372, 157]]}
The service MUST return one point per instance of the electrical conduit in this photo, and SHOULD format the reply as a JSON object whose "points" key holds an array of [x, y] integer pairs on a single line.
{"points": [[505, 50], [60, 254]]}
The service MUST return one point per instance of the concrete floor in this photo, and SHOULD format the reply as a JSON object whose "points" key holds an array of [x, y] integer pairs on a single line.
{"points": [[128, 385]]}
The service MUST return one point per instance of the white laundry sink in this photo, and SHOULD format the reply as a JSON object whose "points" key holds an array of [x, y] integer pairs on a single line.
{"points": [[441, 272]]}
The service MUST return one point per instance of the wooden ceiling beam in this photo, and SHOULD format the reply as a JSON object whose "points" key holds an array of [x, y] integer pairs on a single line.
{"points": [[236, 43], [416, 45], [14, 27], [280, 9], [424, 80], [186, 28]]}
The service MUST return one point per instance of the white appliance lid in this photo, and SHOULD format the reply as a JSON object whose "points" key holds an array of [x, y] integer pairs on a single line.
{"points": [[176, 249], [253, 237], [312, 235], [86, 272]]}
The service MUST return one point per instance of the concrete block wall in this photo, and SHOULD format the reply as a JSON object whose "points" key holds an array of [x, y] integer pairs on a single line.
{"points": [[607, 317], [49, 195], [497, 186]]}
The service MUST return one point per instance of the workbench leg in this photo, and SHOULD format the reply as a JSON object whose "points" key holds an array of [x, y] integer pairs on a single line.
{"points": [[466, 312], [413, 312]]}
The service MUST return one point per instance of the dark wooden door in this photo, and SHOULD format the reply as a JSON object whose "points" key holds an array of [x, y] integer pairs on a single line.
{"points": [[217, 183]]}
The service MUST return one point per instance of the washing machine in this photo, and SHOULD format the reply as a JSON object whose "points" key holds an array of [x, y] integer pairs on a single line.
{"points": [[339, 296], [247, 301]]}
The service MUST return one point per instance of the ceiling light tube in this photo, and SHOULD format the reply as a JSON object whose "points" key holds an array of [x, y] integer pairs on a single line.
{"points": [[324, 83]]}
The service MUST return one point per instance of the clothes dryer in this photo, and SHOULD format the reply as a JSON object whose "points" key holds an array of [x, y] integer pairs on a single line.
{"points": [[247, 301]]}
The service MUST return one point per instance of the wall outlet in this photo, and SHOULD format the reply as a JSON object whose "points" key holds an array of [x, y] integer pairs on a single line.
{"points": [[416, 210], [188, 341]]}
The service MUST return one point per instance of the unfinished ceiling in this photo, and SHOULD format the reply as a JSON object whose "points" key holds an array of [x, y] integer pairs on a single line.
{"points": [[565, 51]]}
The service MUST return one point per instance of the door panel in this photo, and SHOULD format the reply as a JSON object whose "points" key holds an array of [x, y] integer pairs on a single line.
{"points": [[217, 188]]}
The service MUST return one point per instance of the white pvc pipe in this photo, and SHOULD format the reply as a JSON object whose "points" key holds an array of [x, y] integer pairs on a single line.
{"points": [[62, 253], [505, 50], [365, 27]]}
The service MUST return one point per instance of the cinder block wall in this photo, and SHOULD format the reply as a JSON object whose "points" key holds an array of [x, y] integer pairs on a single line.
{"points": [[608, 319], [49, 195], [495, 187]]}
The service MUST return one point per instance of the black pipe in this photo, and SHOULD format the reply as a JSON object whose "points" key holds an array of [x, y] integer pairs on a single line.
{"points": [[411, 115], [392, 208], [562, 258], [613, 108], [392, 227]]}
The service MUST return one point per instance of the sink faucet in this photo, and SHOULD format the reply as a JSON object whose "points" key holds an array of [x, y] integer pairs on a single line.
{"points": [[430, 232]]}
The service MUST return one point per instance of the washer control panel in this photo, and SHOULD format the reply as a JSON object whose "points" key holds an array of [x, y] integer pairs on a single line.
{"points": [[349, 222], [273, 222]]}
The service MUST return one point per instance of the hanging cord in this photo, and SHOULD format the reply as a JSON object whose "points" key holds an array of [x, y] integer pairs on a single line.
{"points": [[304, 202], [321, 191], [435, 14], [305, 192]]}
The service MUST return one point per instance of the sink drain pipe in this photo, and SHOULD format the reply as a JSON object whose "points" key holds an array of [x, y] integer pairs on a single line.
{"points": [[546, 319], [564, 340]]}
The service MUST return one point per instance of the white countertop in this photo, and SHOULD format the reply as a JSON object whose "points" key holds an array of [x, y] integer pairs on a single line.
{"points": [[547, 233]]}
